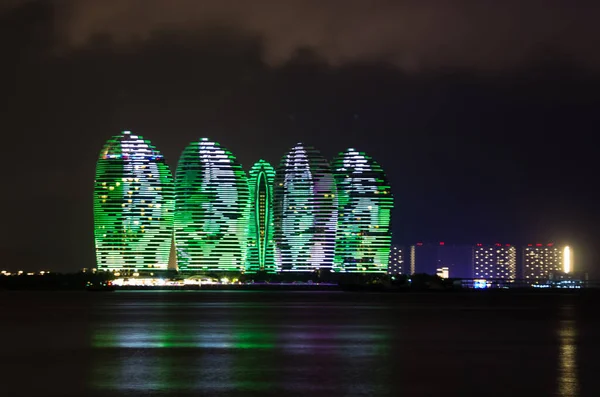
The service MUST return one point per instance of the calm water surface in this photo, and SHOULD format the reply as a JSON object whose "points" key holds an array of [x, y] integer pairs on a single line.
{"points": [[297, 343]]}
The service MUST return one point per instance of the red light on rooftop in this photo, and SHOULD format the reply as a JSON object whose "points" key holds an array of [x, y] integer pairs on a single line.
{"points": [[530, 245], [550, 245], [441, 243], [508, 245], [419, 243], [479, 244], [498, 245], [538, 245]]}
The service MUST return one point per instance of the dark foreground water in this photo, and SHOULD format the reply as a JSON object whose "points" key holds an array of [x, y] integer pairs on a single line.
{"points": [[298, 343]]}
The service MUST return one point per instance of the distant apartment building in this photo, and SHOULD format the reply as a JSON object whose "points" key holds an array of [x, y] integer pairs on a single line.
{"points": [[396, 260], [540, 261], [428, 258], [497, 261], [443, 272]]}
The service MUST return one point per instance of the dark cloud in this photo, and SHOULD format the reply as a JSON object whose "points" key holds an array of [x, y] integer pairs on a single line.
{"points": [[414, 34], [471, 156]]}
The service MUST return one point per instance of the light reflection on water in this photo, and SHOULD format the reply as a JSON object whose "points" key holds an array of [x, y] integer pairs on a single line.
{"points": [[130, 344], [141, 337], [232, 356], [568, 379]]}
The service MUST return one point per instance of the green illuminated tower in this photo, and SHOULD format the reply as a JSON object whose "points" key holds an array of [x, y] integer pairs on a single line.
{"points": [[211, 209], [304, 211], [133, 206], [365, 204], [261, 250]]}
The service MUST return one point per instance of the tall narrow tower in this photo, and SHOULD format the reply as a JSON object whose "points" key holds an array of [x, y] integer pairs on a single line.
{"points": [[304, 211], [133, 206], [364, 212], [211, 209], [261, 249]]}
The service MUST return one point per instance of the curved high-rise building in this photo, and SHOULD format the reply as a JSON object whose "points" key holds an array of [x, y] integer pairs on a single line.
{"points": [[133, 206], [211, 209], [365, 204], [304, 211], [261, 248]]}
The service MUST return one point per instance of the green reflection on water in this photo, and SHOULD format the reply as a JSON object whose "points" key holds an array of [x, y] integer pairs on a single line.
{"points": [[250, 371], [239, 354], [140, 356], [138, 337], [253, 339]]}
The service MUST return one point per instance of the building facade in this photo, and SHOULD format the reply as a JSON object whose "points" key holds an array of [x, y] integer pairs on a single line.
{"points": [[261, 247], [212, 204], [396, 261], [365, 204], [304, 211], [541, 260], [133, 206], [497, 261], [427, 258]]}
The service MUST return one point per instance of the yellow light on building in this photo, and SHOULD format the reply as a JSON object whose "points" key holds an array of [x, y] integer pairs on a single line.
{"points": [[567, 259]]}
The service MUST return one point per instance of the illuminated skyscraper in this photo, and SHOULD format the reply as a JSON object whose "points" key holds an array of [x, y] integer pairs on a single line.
{"points": [[304, 211], [396, 261], [261, 248], [133, 206], [365, 204], [539, 261], [211, 209], [495, 261]]}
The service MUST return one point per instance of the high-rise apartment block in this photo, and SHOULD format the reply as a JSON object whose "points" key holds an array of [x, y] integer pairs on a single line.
{"points": [[396, 261], [212, 206], [365, 204], [541, 260], [305, 211], [133, 206], [261, 246], [496, 261]]}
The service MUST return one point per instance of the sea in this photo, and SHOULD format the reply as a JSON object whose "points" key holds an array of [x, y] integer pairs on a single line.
{"points": [[298, 343]]}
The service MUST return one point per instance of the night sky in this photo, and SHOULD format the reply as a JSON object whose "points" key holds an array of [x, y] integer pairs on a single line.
{"points": [[484, 114]]}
